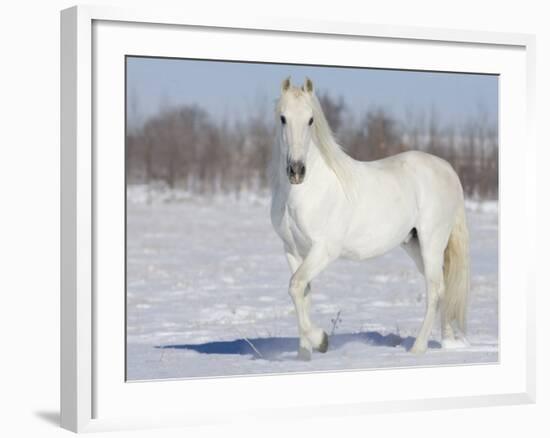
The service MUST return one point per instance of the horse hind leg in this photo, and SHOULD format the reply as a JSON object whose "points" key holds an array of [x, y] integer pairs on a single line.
{"points": [[411, 245], [432, 258], [412, 248], [447, 332], [449, 340]]}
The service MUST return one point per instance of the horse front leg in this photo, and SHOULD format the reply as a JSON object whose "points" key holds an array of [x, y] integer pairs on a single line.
{"points": [[311, 337]]}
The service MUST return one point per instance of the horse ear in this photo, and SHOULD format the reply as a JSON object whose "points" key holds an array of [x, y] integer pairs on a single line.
{"points": [[285, 85], [308, 86]]}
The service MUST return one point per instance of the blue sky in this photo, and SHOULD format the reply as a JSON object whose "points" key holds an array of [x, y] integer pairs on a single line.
{"points": [[234, 90]]}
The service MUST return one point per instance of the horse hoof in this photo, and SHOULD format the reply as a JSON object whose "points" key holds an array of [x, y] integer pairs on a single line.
{"points": [[453, 344], [418, 349], [323, 347], [304, 354]]}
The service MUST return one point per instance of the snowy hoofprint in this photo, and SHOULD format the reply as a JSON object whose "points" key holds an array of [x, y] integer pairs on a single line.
{"points": [[326, 205]]}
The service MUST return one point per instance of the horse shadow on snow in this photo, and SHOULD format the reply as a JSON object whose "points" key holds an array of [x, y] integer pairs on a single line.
{"points": [[272, 348]]}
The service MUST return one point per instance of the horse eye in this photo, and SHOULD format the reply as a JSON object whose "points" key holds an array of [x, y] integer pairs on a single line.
{"points": [[283, 120], [310, 121]]}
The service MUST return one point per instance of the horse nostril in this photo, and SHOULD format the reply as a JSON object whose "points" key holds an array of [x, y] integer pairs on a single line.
{"points": [[296, 169], [289, 169]]}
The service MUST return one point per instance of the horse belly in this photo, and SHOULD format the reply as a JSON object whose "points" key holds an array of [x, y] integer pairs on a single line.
{"points": [[372, 246], [374, 232]]}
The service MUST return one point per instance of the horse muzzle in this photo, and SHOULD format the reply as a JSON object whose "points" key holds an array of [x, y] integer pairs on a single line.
{"points": [[296, 171]]}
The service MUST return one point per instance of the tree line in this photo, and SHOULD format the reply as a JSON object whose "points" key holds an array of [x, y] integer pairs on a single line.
{"points": [[186, 148]]}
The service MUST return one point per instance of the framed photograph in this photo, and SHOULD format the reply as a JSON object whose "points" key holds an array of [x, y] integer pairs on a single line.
{"points": [[291, 218]]}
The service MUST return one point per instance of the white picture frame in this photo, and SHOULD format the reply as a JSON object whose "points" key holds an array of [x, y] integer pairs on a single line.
{"points": [[94, 398]]}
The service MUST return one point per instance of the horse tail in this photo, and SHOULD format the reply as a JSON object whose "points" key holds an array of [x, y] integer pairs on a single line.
{"points": [[456, 272]]}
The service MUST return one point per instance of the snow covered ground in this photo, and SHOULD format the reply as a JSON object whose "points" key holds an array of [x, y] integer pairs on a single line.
{"points": [[207, 296]]}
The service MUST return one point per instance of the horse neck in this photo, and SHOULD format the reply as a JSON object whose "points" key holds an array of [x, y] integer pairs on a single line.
{"points": [[314, 159], [318, 172]]}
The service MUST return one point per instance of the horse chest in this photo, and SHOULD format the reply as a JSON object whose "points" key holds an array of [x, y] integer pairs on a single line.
{"points": [[294, 226], [298, 228]]}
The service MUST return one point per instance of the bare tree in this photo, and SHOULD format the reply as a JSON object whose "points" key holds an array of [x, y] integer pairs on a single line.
{"points": [[184, 147], [334, 110]]}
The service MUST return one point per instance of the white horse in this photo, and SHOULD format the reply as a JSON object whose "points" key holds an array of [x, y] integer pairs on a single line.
{"points": [[327, 205]]}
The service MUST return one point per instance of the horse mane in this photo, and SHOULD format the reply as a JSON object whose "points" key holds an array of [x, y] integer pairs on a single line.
{"points": [[334, 155]]}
